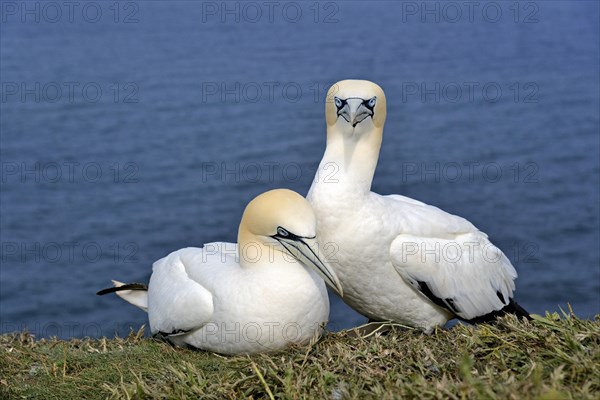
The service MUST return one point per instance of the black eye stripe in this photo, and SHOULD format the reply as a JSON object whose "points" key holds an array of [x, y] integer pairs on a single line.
{"points": [[283, 233], [342, 103], [366, 103]]}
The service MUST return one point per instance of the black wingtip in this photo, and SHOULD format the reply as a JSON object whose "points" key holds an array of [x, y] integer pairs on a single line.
{"points": [[129, 286], [519, 311], [511, 308]]}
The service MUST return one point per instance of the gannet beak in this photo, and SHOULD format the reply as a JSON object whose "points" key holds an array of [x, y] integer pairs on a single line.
{"points": [[305, 250], [355, 109]]}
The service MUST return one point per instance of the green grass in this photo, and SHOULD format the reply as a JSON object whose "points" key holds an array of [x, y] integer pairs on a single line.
{"points": [[552, 357]]}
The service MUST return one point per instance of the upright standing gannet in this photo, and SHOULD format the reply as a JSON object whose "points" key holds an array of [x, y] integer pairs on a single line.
{"points": [[261, 294], [398, 259]]}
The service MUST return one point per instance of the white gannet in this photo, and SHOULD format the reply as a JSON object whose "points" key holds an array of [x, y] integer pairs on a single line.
{"points": [[258, 295], [398, 259]]}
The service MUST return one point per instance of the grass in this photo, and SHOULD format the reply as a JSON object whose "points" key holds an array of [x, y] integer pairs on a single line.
{"points": [[551, 357]]}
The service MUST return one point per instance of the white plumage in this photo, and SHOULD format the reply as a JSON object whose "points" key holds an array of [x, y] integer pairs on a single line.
{"points": [[259, 295], [397, 258]]}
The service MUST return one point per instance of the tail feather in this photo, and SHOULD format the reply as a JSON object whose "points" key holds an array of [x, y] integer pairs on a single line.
{"points": [[511, 308], [133, 293], [119, 286]]}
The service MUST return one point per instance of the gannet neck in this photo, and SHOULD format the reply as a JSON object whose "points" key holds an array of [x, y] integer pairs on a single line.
{"points": [[351, 160]]}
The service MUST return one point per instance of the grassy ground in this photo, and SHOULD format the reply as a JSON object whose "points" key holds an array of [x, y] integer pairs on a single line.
{"points": [[552, 357]]}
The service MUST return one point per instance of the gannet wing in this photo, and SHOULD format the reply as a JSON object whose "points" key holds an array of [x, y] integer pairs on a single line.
{"points": [[423, 219], [177, 302], [466, 274]]}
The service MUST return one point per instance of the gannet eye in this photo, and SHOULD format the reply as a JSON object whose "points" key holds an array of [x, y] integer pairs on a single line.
{"points": [[372, 101], [338, 102], [282, 232]]}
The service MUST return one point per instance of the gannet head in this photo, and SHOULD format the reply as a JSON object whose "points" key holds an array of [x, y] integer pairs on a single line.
{"points": [[355, 107], [282, 220]]}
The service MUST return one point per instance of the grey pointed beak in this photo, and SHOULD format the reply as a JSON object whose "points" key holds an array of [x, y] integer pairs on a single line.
{"points": [[306, 250], [357, 112]]}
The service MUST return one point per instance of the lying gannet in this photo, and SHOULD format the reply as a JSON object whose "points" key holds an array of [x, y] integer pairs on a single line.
{"points": [[261, 294], [398, 259]]}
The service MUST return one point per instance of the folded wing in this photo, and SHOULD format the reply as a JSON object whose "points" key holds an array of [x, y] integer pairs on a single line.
{"points": [[451, 262], [178, 303]]}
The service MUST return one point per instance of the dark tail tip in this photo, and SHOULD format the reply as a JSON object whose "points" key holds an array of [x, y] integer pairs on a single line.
{"points": [[511, 308], [514, 308], [129, 286]]}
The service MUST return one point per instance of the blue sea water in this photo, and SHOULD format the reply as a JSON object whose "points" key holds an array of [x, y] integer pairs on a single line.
{"points": [[132, 129]]}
